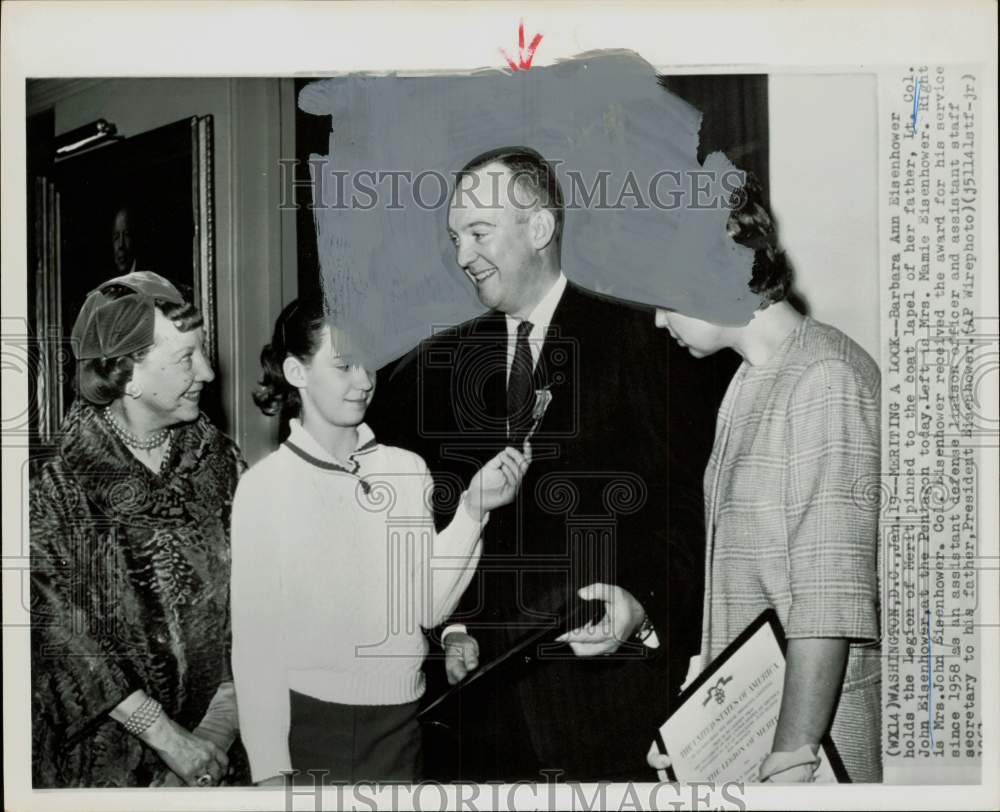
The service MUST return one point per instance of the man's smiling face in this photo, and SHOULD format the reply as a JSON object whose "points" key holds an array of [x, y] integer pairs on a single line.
{"points": [[489, 224]]}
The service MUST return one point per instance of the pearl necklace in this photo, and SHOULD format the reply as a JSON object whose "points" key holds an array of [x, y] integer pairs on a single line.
{"points": [[155, 440]]}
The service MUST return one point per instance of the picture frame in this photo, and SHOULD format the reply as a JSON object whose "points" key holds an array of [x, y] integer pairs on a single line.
{"points": [[164, 180]]}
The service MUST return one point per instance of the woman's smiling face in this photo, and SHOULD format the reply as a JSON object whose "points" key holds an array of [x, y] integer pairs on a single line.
{"points": [[172, 374]]}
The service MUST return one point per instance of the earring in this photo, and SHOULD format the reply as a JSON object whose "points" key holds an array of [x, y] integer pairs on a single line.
{"points": [[132, 390]]}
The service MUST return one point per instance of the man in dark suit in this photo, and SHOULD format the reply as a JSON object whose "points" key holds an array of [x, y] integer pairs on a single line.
{"points": [[610, 510]]}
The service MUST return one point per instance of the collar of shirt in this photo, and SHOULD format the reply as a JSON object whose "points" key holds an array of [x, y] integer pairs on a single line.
{"points": [[540, 318], [304, 440]]}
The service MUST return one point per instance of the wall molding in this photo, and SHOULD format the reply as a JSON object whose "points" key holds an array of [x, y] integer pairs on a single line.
{"points": [[255, 277], [41, 94]]}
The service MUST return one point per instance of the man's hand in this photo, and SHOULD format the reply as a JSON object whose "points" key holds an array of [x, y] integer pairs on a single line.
{"points": [[623, 614], [461, 656]]}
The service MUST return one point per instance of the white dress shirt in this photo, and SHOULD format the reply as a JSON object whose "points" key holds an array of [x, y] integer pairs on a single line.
{"points": [[540, 318]]}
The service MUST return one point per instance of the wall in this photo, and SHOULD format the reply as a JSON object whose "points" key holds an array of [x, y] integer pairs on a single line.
{"points": [[254, 241], [824, 186]]}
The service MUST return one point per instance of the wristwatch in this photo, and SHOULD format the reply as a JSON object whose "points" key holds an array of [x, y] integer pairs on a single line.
{"points": [[645, 630]]}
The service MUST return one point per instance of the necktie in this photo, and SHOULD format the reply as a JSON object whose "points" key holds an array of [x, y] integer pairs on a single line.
{"points": [[520, 388]]}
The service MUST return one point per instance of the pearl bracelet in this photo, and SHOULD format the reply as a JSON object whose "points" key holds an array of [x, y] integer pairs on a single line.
{"points": [[143, 717]]}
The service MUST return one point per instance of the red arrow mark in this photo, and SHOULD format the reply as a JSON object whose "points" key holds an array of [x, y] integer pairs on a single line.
{"points": [[524, 57]]}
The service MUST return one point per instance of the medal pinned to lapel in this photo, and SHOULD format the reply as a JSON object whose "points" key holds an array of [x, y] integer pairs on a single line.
{"points": [[543, 397]]}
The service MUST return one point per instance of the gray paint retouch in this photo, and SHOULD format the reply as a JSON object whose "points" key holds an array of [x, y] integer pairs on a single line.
{"points": [[390, 274]]}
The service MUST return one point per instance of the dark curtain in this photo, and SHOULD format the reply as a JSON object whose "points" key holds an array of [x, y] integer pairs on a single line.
{"points": [[734, 108], [312, 136]]}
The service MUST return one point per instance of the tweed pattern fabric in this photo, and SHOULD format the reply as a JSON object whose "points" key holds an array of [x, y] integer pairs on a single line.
{"points": [[797, 441]]}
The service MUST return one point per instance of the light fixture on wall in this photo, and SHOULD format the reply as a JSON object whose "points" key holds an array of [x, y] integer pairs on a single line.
{"points": [[83, 139]]}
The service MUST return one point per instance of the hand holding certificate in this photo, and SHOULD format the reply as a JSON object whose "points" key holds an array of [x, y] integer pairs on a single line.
{"points": [[725, 724]]}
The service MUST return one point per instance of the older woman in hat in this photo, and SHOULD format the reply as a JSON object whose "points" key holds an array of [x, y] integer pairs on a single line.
{"points": [[130, 556]]}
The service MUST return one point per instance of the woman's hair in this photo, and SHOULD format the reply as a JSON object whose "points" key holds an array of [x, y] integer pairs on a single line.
{"points": [[103, 380], [299, 332], [750, 224]]}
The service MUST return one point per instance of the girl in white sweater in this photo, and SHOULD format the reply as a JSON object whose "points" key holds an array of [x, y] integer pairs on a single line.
{"points": [[336, 569]]}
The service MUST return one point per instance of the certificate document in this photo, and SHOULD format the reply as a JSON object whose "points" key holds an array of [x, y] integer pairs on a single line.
{"points": [[725, 723]]}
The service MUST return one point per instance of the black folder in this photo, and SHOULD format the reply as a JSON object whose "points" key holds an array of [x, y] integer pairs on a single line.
{"points": [[522, 652]]}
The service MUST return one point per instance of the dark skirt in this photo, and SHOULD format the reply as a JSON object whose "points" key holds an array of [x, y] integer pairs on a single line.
{"points": [[333, 743]]}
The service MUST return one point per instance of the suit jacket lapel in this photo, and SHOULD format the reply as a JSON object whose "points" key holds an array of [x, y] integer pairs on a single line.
{"points": [[490, 338], [558, 360]]}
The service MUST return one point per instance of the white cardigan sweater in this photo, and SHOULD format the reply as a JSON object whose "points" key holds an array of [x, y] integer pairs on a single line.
{"points": [[333, 576]]}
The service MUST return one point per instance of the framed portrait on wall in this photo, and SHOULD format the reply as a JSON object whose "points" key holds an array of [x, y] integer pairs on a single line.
{"points": [[131, 204]]}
